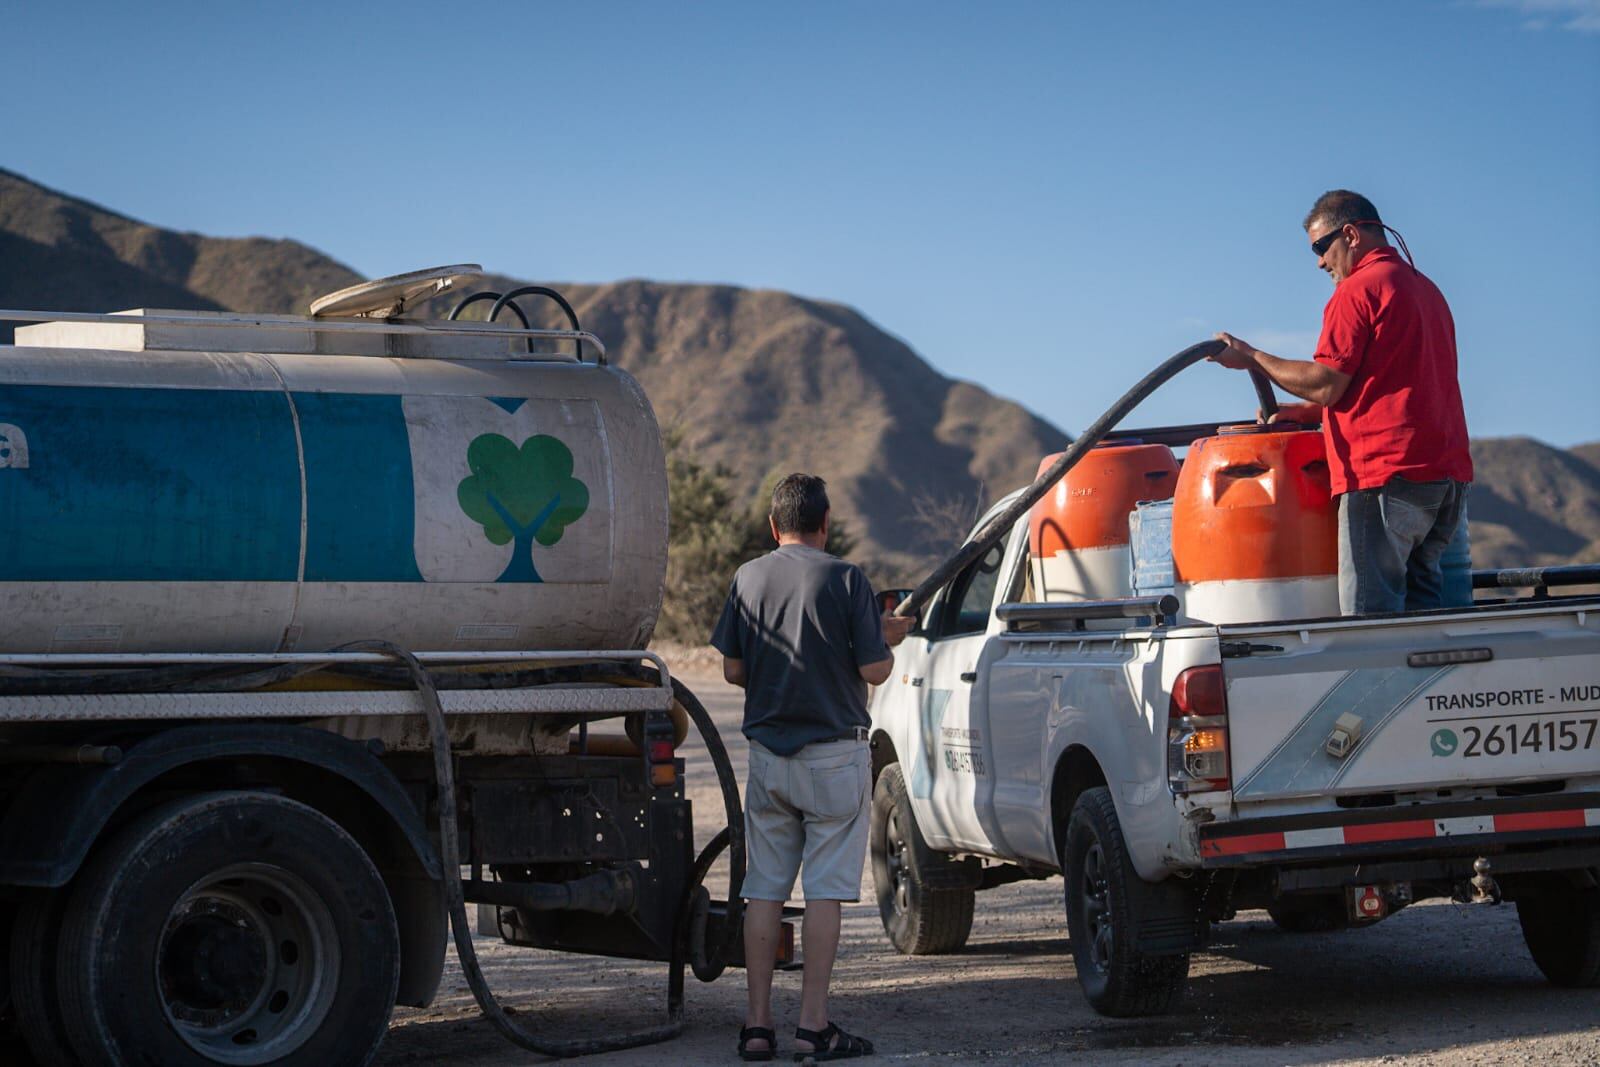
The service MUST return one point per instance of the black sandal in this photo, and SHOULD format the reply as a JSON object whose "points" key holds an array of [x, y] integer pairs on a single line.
{"points": [[757, 1033], [831, 1043]]}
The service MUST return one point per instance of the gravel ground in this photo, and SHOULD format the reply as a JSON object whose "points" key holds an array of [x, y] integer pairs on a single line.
{"points": [[1437, 984]]}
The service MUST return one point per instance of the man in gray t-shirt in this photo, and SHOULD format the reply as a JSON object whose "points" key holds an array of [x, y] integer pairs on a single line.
{"points": [[802, 633]]}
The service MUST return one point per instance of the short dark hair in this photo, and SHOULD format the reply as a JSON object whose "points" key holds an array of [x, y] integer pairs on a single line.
{"points": [[1339, 207], [799, 503]]}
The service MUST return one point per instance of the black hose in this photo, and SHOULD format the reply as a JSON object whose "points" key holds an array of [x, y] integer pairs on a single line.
{"points": [[455, 901], [1265, 397], [997, 527], [541, 290], [479, 297]]}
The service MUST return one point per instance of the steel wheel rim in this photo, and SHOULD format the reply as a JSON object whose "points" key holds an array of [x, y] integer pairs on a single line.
{"points": [[247, 964], [895, 856], [1096, 909]]}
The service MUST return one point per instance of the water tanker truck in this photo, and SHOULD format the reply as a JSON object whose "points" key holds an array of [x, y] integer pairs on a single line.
{"points": [[300, 617]]}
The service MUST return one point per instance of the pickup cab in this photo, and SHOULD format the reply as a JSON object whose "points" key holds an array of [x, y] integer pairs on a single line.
{"points": [[1331, 770]]}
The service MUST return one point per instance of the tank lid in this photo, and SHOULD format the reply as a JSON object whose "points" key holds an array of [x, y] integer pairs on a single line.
{"points": [[384, 298]]}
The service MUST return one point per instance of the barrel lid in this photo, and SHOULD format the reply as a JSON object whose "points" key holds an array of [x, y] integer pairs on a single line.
{"points": [[384, 298]]}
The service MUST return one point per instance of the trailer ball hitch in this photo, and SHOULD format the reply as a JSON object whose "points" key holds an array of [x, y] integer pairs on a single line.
{"points": [[1485, 890]]}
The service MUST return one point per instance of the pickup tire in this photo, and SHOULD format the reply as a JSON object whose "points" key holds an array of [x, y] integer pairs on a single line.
{"points": [[228, 928], [1102, 917], [925, 907], [1562, 929]]}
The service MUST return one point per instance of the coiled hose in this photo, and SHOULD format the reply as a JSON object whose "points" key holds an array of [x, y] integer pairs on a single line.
{"points": [[455, 899]]}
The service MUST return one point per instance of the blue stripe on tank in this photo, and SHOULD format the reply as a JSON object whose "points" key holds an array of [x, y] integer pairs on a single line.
{"points": [[149, 485], [360, 508]]}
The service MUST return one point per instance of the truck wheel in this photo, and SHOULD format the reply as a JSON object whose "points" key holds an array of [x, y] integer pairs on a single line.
{"points": [[229, 928], [1116, 977], [1308, 915], [35, 931], [1562, 929], [920, 920]]}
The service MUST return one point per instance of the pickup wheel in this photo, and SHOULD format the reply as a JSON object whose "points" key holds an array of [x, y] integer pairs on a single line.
{"points": [[1116, 977], [920, 918], [1562, 929], [228, 928]]}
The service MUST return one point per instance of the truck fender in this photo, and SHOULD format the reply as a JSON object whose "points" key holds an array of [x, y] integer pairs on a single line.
{"points": [[62, 809]]}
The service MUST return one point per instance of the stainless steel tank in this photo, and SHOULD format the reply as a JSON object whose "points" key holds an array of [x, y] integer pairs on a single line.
{"points": [[210, 483]]}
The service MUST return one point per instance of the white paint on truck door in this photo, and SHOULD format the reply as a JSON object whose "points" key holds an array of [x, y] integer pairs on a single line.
{"points": [[954, 779]]}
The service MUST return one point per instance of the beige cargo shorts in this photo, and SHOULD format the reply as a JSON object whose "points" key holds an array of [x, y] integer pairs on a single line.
{"points": [[807, 809]]}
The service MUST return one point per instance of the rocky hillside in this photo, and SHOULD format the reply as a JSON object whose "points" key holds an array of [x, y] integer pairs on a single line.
{"points": [[758, 380], [762, 380], [1533, 505], [58, 253]]}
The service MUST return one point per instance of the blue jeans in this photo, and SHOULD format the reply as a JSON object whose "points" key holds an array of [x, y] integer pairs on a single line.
{"points": [[1390, 543]]}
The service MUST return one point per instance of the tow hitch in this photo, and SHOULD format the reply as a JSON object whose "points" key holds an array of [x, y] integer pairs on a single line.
{"points": [[1482, 889]]}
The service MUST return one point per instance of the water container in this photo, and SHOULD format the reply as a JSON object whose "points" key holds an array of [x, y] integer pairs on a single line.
{"points": [[1255, 534], [201, 489], [1150, 540], [1078, 533]]}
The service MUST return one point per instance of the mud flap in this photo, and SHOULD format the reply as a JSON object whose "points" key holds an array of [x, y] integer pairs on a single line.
{"points": [[1170, 920]]}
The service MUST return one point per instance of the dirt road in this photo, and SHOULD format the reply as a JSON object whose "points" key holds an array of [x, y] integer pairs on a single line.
{"points": [[1437, 984]]}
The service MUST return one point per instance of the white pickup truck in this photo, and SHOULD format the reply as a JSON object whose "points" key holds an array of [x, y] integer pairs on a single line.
{"points": [[1331, 770]]}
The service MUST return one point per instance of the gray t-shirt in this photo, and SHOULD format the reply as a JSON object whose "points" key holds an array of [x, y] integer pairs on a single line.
{"points": [[803, 622]]}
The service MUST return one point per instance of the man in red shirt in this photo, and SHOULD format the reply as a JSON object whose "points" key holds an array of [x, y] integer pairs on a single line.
{"points": [[1385, 371]]}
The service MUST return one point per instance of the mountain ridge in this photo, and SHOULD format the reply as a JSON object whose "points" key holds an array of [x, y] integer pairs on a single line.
{"points": [[758, 380]]}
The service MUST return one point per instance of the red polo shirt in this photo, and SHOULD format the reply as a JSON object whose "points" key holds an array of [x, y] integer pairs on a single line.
{"points": [[1389, 328]]}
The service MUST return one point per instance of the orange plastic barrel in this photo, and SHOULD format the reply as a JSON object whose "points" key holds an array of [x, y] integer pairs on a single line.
{"points": [[1082, 523], [1255, 506]]}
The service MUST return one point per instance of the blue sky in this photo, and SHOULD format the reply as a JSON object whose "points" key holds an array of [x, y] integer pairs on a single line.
{"points": [[1047, 199]]}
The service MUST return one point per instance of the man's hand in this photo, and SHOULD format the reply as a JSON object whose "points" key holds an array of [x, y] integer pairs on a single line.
{"points": [[895, 628], [1237, 356], [1305, 414]]}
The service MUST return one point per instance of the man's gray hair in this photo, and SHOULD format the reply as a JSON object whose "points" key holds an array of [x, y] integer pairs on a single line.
{"points": [[1339, 207]]}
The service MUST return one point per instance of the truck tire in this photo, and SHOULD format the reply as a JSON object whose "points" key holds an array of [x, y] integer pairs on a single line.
{"points": [[920, 919], [1102, 915], [35, 932], [1562, 929], [228, 928], [1308, 915]]}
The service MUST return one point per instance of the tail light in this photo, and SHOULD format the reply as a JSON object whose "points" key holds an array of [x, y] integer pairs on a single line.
{"points": [[659, 752], [1197, 732]]}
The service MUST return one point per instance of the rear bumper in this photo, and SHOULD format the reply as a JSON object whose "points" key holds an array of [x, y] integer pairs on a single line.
{"points": [[1553, 824]]}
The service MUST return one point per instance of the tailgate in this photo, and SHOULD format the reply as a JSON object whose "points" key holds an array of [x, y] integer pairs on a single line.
{"points": [[1346, 707]]}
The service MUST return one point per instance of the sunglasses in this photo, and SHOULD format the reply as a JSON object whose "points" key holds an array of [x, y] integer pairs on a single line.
{"points": [[1321, 245]]}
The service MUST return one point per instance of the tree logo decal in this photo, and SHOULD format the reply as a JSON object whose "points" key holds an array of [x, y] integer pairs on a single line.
{"points": [[522, 495]]}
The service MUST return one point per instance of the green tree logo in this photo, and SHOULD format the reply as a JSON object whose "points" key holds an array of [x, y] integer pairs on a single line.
{"points": [[522, 495]]}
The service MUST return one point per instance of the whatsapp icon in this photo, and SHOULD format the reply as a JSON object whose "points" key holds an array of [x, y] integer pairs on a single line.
{"points": [[1443, 742]]}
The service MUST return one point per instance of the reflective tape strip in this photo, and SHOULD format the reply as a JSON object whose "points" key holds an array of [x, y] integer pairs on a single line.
{"points": [[1539, 820], [1320, 837], [1242, 844], [1400, 830], [1387, 831]]}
